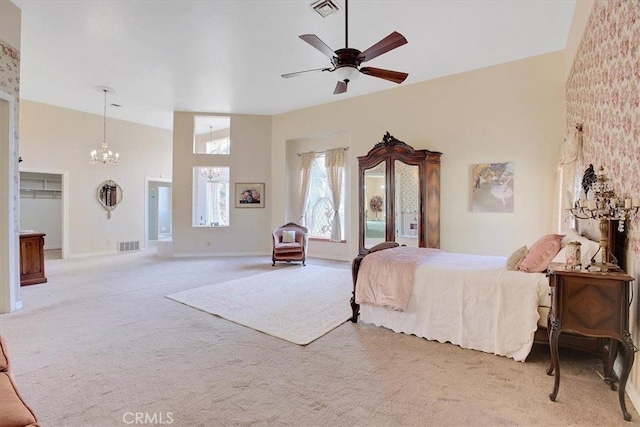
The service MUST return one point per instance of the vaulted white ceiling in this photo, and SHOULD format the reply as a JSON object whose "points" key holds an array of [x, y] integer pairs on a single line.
{"points": [[228, 56]]}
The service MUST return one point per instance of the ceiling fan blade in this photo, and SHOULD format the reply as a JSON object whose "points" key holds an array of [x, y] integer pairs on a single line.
{"points": [[315, 41], [388, 43], [341, 87], [297, 73], [394, 76]]}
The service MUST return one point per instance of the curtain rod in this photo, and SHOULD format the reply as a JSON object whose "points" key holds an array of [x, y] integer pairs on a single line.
{"points": [[324, 151]]}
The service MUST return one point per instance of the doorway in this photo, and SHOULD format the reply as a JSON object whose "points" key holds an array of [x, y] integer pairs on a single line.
{"points": [[159, 214], [42, 192]]}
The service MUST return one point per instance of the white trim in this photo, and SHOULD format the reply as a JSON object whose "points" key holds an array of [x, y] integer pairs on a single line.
{"points": [[332, 257], [634, 397], [221, 254], [9, 233], [90, 254]]}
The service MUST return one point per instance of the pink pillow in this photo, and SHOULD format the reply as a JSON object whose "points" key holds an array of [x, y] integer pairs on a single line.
{"points": [[541, 253]]}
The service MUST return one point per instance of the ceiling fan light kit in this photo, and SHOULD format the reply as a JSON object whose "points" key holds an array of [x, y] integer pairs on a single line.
{"points": [[346, 72], [346, 61]]}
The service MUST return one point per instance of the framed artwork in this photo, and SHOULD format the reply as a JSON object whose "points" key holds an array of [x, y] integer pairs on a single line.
{"points": [[492, 187], [249, 195]]}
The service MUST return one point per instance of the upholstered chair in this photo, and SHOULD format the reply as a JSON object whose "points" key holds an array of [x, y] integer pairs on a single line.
{"points": [[290, 243]]}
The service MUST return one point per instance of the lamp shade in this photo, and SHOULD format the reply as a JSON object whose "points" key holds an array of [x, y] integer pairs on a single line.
{"points": [[346, 72]]}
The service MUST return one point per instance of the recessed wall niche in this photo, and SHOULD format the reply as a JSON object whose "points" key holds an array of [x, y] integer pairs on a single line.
{"points": [[212, 135]]}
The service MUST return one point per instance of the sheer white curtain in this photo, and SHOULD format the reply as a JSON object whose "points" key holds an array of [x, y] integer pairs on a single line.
{"points": [[334, 161], [306, 164], [567, 180]]}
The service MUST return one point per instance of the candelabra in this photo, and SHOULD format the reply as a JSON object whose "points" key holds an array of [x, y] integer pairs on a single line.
{"points": [[601, 203]]}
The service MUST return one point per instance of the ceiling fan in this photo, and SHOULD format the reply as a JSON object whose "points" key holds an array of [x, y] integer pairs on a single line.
{"points": [[346, 61]]}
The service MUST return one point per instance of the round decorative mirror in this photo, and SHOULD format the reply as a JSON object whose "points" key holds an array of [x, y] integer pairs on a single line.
{"points": [[109, 196]]}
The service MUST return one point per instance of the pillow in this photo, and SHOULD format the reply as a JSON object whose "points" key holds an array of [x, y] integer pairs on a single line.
{"points": [[588, 248], [514, 260], [288, 236], [542, 253]]}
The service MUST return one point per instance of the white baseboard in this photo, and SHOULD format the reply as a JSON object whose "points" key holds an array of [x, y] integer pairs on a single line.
{"points": [[220, 254], [88, 254], [331, 257], [634, 397]]}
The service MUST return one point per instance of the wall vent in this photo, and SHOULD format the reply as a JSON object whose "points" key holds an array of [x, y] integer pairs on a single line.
{"points": [[325, 7], [131, 246]]}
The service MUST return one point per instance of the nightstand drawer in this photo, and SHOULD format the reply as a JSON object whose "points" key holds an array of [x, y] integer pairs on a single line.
{"points": [[592, 307]]}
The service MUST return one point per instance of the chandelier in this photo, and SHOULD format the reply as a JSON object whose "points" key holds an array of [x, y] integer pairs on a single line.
{"points": [[601, 203], [103, 155], [210, 174]]}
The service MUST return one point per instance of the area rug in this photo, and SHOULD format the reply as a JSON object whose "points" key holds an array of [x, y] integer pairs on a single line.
{"points": [[295, 303]]}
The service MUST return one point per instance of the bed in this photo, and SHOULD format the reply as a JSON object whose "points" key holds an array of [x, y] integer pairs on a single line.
{"points": [[473, 301]]}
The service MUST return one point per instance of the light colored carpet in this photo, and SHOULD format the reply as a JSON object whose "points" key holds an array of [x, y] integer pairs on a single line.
{"points": [[297, 304], [100, 342]]}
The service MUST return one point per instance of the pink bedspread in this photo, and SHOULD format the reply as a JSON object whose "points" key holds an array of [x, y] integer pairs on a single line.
{"points": [[386, 277]]}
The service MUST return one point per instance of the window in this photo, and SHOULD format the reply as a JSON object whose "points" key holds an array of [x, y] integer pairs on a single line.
{"points": [[319, 210], [218, 146], [211, 196], [212, 135]]}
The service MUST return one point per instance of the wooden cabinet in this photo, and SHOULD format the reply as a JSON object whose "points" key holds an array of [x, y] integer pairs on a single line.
{"points": [[32, 258], [399, 195], [593, 304]]}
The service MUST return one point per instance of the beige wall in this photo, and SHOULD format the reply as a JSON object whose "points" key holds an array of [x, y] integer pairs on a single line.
{"points": [[513, 112], [250, 161], [10, 23], [580, 19], [58, 140]]}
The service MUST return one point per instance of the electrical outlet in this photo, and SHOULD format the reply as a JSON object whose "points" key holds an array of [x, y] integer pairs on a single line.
{"points": [[108, 241]]}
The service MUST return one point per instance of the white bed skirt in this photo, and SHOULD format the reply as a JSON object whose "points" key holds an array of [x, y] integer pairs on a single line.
{"points": [[481, 306]]}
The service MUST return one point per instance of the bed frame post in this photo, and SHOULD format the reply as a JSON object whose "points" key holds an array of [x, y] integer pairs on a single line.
{"points": [[355, 267]]}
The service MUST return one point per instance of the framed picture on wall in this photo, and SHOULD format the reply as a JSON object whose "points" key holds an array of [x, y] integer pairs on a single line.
{"points": [[492, 187], [249, 195]]}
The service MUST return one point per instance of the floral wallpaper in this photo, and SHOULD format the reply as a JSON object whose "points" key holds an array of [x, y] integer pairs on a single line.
{"points": [[9, 69], [408, 183], [603, 94]]}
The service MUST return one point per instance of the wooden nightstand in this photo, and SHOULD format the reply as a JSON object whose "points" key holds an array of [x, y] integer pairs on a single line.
{"points": [[594, 304]]}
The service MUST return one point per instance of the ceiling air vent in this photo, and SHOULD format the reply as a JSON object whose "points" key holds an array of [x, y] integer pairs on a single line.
{"points": [[325, 7]]}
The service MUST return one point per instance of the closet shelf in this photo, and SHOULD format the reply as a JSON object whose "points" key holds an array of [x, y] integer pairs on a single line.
{"points": [[40, 192]]}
